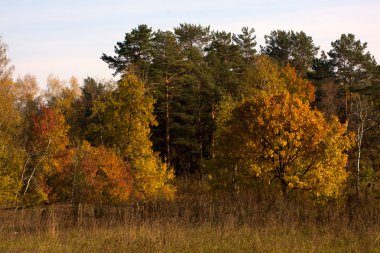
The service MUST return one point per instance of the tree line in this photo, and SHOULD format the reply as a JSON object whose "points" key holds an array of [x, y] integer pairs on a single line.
{"points": [[196, 102]]}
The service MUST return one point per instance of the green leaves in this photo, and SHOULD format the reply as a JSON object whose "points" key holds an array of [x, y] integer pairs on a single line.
{"points": [[294, 48], [350, 63], [135, 50]]}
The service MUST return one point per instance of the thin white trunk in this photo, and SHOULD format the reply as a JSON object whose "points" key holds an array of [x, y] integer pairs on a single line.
{"points": [[35, 168]]}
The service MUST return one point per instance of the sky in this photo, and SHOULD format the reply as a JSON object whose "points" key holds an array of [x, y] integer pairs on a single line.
{"points": [[66, 38]]}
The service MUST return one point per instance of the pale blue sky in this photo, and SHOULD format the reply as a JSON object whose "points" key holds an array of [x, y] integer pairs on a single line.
{"points": [[67, 38]]}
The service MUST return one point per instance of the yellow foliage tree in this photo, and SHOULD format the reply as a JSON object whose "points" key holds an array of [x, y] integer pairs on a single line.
{"points": [[282, 140], [266, 75], [12, 155], [128, 115]]}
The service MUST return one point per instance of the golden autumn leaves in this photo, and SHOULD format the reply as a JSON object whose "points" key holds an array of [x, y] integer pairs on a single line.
{"points": [[270, 134], [11, 154], [120, 168], [276, 136], [58, 171]]}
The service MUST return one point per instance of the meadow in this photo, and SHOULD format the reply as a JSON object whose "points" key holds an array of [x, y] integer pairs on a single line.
{"points": [[196, 221]]}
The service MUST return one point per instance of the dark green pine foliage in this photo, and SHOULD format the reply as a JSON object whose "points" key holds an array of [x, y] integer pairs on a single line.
{"points": [[187, 73], [352, 67], [351, 64], [321, 68], [167, 70], [226, 64], [246, 41], [278, 46], [193, 129], [328, 95], [371, 144], [294, 48], [373, 91], [94, 95], [135, 51], [372, 140]]}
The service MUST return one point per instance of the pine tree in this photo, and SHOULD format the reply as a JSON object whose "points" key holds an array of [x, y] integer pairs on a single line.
{"points": [[352, 67], [294, 48], [135, 51]]}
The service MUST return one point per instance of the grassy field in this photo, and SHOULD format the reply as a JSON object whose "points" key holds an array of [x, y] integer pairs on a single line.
{"points": [[172, 237], [194, 222]]}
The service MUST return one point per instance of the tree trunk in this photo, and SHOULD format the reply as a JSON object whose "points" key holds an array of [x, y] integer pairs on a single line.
{"points": [[200, 132], [359, 143], [167, 127], [213, 133]]}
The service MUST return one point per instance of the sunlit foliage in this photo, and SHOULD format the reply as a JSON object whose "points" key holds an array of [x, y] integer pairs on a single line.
{"points": [[280, 140]]}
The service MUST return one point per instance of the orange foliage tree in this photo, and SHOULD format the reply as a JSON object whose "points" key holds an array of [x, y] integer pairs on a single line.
{"points": [[48, 154], [60, 172], [97, 175], [280, 139]]}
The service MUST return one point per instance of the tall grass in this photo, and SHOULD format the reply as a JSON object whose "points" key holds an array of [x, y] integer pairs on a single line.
{"points": [[197, 221]]}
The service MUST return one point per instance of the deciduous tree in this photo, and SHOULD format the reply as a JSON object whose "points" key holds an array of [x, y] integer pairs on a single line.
{"points": [[49, 154], [97, 176], [12, 155], [128, 115], [280, 139]]}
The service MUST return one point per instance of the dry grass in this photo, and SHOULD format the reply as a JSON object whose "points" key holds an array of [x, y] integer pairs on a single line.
{"points": [[178, 237], [195, 222]]}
